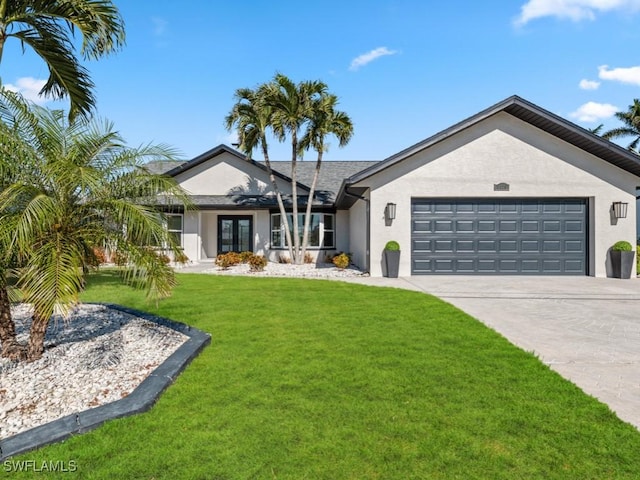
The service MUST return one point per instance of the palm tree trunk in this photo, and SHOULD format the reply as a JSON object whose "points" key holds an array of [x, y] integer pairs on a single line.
{"points": [[10, 346], [283, 211], [307, 218], [294, 199], [3, 26], [35, 347]]}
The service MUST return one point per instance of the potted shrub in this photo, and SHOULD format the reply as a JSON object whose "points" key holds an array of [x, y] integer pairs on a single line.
{"points": [[392, 258], [622, 256]]}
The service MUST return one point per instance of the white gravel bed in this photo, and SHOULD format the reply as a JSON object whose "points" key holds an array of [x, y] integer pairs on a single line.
{"points": [[307, 270], [96, 356]]}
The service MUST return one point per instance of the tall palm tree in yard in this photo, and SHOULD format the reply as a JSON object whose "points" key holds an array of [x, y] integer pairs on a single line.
{"points": [[251, 118], [324, 121], [287, 110], [292, 106], [79, 187], [48, 28], [630, 128]]}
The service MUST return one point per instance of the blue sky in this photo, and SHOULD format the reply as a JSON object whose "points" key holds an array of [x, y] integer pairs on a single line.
{"points": [[403, 69]]}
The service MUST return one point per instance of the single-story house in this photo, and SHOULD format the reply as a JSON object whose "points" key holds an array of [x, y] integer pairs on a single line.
{"points": [[514, 189]]}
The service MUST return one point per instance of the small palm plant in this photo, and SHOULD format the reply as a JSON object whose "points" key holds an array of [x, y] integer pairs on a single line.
{"points": [[78, 187]]}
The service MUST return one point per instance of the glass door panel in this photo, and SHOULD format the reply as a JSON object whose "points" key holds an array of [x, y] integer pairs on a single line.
{"points": [[235, 233]]}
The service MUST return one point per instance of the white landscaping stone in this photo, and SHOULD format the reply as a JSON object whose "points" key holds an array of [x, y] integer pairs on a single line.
{"points": [[97, 356]]}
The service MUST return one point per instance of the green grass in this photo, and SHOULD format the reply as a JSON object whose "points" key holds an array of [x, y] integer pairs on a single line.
{"points": [[310, 379]]}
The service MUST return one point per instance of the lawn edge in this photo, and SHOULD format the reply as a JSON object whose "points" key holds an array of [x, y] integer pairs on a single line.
{"points": [[138, 401]]}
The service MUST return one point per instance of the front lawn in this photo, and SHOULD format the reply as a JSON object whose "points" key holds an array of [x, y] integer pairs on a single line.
{"points": [[328, 380]]}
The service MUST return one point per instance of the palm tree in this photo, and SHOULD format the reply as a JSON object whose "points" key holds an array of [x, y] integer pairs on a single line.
{"points": [[631, 127], [324, 120], [48, 26], [251, 118], [596, 130], [79, 188], [292, 106]]}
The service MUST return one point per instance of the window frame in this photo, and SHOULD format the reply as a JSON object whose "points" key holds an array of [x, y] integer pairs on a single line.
{"points": [[321, 234], [173, 230]]}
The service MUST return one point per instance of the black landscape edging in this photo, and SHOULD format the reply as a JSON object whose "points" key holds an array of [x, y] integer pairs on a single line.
{"points": [[138, 401]]}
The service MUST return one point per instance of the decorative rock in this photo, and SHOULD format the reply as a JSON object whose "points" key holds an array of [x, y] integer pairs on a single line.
{"points": [[307, 270], [96, 356]]}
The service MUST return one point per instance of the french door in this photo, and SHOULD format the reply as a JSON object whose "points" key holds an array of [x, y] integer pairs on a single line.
{"points": [[235, 233]]}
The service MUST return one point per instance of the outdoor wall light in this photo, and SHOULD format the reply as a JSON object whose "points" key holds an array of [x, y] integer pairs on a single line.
{"points": [[390, 211], [620, 209]]}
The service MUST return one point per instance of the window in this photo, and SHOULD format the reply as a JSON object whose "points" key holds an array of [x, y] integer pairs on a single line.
{"points": [[321, 230], [174, 227]]}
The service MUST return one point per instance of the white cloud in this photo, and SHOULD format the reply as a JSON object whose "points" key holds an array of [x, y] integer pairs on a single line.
{"points": [[365, 58], [29, 88], [593, 112], [588, 84], [575, 10], [623, 75]]}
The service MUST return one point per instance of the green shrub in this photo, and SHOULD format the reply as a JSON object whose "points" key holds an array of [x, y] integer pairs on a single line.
{"points": [[622, 246], [257, 263], [341, 261], [229, 259], [392, 245]]}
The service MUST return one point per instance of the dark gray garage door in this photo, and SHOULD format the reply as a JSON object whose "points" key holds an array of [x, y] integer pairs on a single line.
{"points": [[514, 236]]}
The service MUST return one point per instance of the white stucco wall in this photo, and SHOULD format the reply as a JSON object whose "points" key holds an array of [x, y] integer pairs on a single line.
{"points": [[501, 149], [226, 174], [358, 233], [342, 231], [190, 236]]}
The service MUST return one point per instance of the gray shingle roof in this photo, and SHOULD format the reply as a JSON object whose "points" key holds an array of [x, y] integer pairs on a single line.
{"points": [[332, 174], [162, 166]]}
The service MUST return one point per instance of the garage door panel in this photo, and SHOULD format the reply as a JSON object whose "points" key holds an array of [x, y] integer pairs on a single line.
{"points": [[551, 246], [529, 246], [465, 265], [576, 266], [509, 226], [487, 246], [421, 246], [531, 265], [465, 246], [463, 226], [551, 226], [577, 246], [443, 226], [508, 265], [487, 207], [445, 246], [487, 226], [575, 226], [501, 236], [508, 246], [422, 226], [530, 226]]}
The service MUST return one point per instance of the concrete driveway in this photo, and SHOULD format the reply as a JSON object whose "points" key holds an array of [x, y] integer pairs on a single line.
{"points": [[587, 329]]}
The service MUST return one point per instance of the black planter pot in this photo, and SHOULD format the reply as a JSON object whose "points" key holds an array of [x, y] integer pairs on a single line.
{"points": [[622, 264], [392, 262]]}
